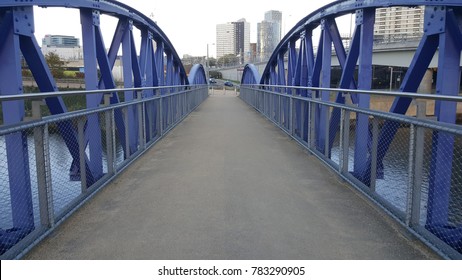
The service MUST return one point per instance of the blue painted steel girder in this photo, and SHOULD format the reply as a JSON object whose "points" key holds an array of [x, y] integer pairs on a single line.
{"points": [[197, 75], [16, 144], [448, 83], [90, 20]]}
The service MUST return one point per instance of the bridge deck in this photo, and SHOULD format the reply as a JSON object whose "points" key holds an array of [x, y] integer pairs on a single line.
{"points": [[227, 184]]}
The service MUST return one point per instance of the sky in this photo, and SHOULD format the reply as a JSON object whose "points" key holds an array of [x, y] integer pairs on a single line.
{"points": [[190, 25]]}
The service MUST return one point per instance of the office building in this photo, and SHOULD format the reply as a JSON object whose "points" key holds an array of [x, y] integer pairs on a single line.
{"points": [[66, 47], [60, 41], [269, 34]]}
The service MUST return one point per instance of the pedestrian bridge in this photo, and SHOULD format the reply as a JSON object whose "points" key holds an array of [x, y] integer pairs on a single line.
{"points": [[228, 184], [284, 166]]}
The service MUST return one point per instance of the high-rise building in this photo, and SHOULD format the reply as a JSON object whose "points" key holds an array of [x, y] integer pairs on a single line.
{"points": [[269, 34], [225, 39], [233, 38], [398, 23], [276, 18]]}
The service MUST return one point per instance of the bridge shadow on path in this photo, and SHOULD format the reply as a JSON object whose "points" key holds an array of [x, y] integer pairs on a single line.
{"points": [[228, 184]]}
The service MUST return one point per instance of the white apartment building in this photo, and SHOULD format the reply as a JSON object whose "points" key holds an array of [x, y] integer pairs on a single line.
{"points": [[233, 38], [398, 23]]}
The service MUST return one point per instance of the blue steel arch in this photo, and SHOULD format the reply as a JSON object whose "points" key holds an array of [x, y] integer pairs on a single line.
{"points": [[250, 75], [156, 64], [442, 30], [197, 75]]}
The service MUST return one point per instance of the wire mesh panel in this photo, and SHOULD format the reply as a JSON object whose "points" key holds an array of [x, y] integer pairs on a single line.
{"points": [[64, 163], [49, 166], [285, 107], [393, 170], [18, 195], [413, 171], [442, 209]]}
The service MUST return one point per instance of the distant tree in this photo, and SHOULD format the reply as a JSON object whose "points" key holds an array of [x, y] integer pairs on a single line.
{"points": [[56, 65], [212, 62], [216, 75], [228, 59]]}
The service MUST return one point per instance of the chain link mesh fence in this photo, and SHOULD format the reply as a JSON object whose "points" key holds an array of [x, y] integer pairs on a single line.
{"points": [[48, 167], [409, 168]]}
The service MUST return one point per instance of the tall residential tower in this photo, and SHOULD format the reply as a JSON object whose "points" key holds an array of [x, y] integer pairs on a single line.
{"points": [[398, 23], [233, 38]]}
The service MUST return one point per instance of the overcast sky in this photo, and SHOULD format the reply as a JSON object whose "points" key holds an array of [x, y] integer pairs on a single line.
{"points": [[190, 25]]}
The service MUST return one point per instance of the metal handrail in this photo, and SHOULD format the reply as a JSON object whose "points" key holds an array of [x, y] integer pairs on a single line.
{"points": [[427, 123], [42, 95], [12, 128], [412, 95]]}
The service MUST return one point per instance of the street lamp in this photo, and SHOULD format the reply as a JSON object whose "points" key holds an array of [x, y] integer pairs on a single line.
{"points": [[207, 63], [391, 77]]}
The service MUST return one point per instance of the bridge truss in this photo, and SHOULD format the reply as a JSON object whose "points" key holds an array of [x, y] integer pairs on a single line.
{"points": [[155, 65], [310, 67]]}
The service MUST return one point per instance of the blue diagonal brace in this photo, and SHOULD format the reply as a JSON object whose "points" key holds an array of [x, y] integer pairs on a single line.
{"points": [[106, 64], [46, 83], [348, 66]]}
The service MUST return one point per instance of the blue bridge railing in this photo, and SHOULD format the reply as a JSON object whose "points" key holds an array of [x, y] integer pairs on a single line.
{"points": [[309, 69], [401, 183], [52, 157], [58, 177]]}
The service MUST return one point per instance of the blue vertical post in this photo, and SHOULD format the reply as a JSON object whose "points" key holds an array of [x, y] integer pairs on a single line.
{"points": [[448, 83], [291, 64], [309, 54], [366, 18], [13, 112], [314, 82], [325, 83], [301, 79], [159, 59], [291, 76], [137, 77], [147, 73], [90, 19], [127, 61], [281, 81], [310, 60]]}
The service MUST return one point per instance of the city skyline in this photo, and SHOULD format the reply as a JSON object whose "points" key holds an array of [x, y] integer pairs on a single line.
{"points": [[193, 27]]}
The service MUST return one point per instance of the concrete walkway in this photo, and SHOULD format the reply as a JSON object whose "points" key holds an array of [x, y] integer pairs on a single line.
{"points": [[227, 184]]}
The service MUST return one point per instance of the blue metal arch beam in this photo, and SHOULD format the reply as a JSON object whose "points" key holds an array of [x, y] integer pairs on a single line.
{"points": [[250, 75], [197, 75]]}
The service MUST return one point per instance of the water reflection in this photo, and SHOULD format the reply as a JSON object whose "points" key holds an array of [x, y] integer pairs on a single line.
{"points": [[64, 190]]}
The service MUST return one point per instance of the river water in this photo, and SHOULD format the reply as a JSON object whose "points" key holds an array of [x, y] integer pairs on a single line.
{"points": [[64, 190]]}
